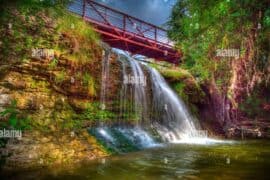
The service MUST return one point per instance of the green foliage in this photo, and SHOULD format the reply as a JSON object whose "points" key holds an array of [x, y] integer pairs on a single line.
{"points": [[75, 25], [223, 74], [60, 77], [87, 79], [83, 39], [94, 113], [24, 34], [53, 63], [89, 82], [180, 89], [175, 74], [200, 28], [13, 117], [28, 19], [253, 104]]}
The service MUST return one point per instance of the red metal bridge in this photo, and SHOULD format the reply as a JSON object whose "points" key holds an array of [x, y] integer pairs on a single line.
{"points": [[125, 32]]}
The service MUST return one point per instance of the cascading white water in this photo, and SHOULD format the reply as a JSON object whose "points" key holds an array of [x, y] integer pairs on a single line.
{"points": [[172, 119], [104, 132], [123, 93], [139, 136], [124, 139], [104, 78], [140, 101], [133, 101], [166, 113], [174, 124], [133, 91]]}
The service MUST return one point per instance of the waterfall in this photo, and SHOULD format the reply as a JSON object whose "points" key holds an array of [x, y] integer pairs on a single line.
{"points": [[133, 91], [150, 112], [104, 77], [171, 117]]}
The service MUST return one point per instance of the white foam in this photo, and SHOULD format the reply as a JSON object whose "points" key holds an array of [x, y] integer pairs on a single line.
{"points": [[140, 136], [106, 135], [200, 141]]}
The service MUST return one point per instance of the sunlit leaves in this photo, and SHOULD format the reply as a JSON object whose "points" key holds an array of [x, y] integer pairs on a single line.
{"points": [[201, 27]]}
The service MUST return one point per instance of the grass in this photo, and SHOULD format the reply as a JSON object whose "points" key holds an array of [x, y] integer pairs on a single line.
{"points": [[180, 89], [89, 82], [60, 77], [76, 26], [93, 113], [29, 21], [83, 39], [173, 74], [47, 24], [53, 63]]}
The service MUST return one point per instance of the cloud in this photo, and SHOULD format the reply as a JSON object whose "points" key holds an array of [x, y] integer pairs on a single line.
{"points": [[153, 11]]}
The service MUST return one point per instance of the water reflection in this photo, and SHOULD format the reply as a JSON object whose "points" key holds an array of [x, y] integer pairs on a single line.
{"points": [[243, 160]]}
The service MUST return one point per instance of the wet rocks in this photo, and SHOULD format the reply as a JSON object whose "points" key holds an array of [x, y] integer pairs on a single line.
{"points": [[249, 129], [37, 149]]}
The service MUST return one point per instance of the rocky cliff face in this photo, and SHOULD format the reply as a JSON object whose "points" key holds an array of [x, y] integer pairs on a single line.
{"points": [[55, 108], [50, 79]]}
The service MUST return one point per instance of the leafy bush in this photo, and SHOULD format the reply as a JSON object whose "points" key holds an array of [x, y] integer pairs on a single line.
{"points": [[199, 29], [253, 104], [14, 117], [94, 113]]}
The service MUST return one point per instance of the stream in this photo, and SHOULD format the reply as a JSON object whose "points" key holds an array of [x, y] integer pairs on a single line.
{"points": [[216, 160]]}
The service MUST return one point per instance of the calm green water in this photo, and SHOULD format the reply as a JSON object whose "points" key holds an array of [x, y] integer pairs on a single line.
{"points": [[235, 160]]}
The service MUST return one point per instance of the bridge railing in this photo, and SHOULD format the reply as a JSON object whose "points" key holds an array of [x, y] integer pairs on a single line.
{"points": [[105, 15]]}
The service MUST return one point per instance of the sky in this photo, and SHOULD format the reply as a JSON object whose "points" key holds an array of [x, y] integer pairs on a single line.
{"points": [[153, 11]]}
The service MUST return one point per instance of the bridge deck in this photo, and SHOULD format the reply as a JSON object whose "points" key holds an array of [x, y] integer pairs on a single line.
{"points": [[126, 32]]}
